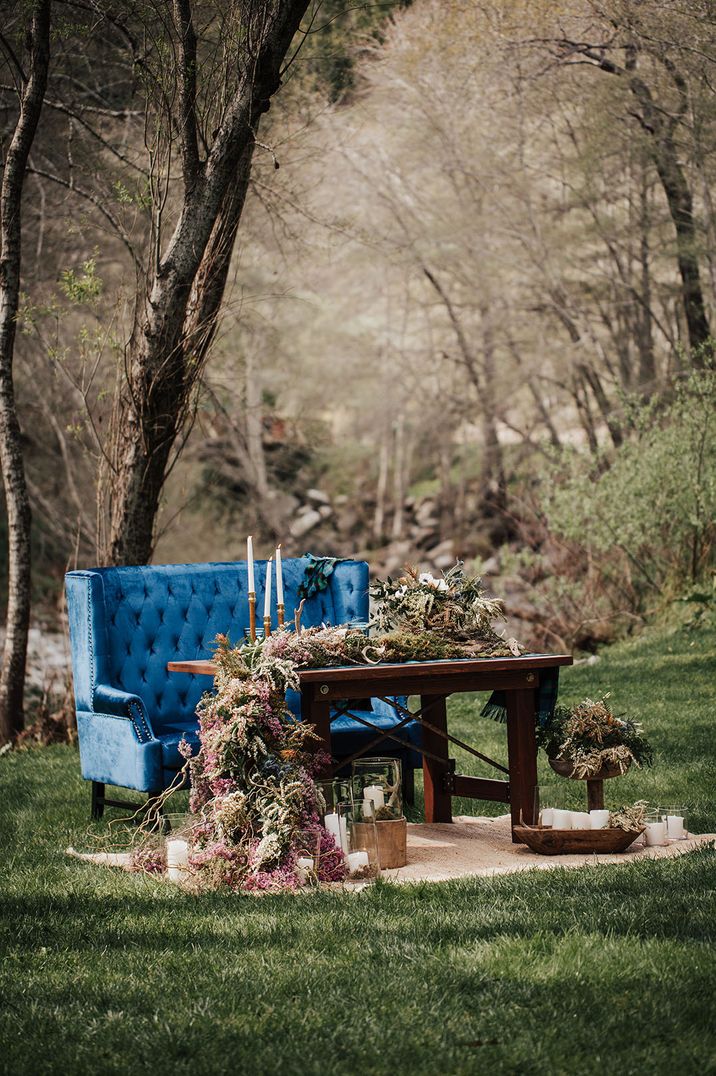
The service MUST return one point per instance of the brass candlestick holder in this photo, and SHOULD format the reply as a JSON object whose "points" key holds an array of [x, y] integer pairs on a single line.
{"points": [[280, 609], [267, 626], [252, 615]]}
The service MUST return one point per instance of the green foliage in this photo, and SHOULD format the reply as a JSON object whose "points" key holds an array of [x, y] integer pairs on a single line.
{"points": [[83, 286], [653, 505]]}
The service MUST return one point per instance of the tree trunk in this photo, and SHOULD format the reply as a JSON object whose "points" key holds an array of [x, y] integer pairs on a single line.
{"points": [[175, 323], [399, 480], [381, 489], [678, 196], [12, 678]]}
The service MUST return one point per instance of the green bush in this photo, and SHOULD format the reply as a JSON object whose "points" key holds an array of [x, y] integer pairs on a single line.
{"points": [[648, 511]]}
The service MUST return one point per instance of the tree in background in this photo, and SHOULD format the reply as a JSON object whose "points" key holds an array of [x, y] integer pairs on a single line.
{"points": [[29, 67]]}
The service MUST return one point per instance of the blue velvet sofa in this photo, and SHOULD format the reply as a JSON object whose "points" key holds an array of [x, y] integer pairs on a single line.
{"points": [[127, 623]]}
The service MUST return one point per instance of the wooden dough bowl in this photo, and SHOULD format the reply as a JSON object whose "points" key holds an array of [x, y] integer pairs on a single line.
{"points": [[564, 768], [562, 842]]}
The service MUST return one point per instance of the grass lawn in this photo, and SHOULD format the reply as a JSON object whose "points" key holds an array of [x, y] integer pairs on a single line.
{"points": [[558, 972]]}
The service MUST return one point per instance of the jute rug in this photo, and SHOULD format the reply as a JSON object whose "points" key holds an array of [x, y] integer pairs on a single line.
{"points": [[483, 847]]}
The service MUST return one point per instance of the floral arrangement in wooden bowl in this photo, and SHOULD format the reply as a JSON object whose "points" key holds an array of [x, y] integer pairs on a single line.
{"points": [[588, 741]]}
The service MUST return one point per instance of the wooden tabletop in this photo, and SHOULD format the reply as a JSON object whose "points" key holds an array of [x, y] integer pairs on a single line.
{"points": [[416, 669]]}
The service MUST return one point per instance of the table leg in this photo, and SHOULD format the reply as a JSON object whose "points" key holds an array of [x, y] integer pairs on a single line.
{"points": [[438, 802], [522, 755], [316, 712]]}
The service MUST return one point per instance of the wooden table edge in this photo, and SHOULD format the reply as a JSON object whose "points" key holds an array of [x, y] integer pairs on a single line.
{"points": [[207, 667]]}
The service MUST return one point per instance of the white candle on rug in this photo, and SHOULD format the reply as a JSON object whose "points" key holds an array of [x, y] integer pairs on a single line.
{"points": [[304, 867], [600, 819], [655, 834], [267, 592], [279, 577], [376, 795], [581, 820], [250, 564], [675, 827], [547, 816], [561, 819], [357, 861], [177, 859]]}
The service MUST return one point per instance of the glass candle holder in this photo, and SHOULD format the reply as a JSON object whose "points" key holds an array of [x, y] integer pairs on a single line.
{"points": [[655, 829], [363, 856], [675, 819], [177, 843], [379, 781]]}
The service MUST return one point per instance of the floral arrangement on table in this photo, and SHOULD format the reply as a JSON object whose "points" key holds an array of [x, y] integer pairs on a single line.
{"points": [[590, 737], [430, 618], [258, 809]]}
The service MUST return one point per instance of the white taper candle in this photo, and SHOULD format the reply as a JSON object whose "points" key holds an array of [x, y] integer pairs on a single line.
{"points": [[250, 563], [267, 593], [279, 577]]}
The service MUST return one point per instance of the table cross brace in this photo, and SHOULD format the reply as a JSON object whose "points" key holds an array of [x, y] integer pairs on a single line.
{"points": [[445, 735]]}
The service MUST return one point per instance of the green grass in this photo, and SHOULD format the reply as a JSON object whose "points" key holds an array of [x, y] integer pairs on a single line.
{"points": [[556, 972]]}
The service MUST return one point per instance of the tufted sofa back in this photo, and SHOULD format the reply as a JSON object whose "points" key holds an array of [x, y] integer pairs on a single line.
{"points": [[127, 623]]}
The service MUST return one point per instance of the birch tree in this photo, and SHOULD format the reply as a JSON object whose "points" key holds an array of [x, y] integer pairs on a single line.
{"points": [[29, 70]]}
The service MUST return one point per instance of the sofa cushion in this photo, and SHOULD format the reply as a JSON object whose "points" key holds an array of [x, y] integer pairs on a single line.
{"points": [[170, 738]]}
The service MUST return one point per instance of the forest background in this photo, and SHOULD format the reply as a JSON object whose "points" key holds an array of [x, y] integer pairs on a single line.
{"points": [[468, 313]]}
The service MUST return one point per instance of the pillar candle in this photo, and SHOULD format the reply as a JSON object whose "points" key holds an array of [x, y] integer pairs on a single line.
{"points": [[368, 811], [177, 860], [376, 794], [561, 819], [547, 817], [279, 577], [655, 834], [600, 819], [338, 829], [675, 827], [357, 861], [581, 820], [267, 592], [304, 867], [250, 564]]}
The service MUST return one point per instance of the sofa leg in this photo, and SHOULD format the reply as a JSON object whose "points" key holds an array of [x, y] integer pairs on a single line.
{"points": [[97, 799], [409, 785]]}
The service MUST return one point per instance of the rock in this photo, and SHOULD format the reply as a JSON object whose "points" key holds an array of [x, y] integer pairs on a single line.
{"points": [[425, 514], [325, 511], [317, 496], [395, 557], [341, 499], [305, 522], [491, 566], [446, 546], [443, 561]]}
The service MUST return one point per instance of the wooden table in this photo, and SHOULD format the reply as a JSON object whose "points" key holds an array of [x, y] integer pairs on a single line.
{"points": [[434, 681]]}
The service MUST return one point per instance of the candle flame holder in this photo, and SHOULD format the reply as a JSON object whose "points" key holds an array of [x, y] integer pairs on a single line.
{"points": [[252, 615], [267, 626]]}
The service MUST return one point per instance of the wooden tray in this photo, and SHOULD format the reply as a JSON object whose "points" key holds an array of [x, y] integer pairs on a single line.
{"points": [[561, 842]]}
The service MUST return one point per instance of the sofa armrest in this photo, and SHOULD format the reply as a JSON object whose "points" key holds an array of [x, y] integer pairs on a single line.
{"points": [[112, 751], [111, 700]]}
